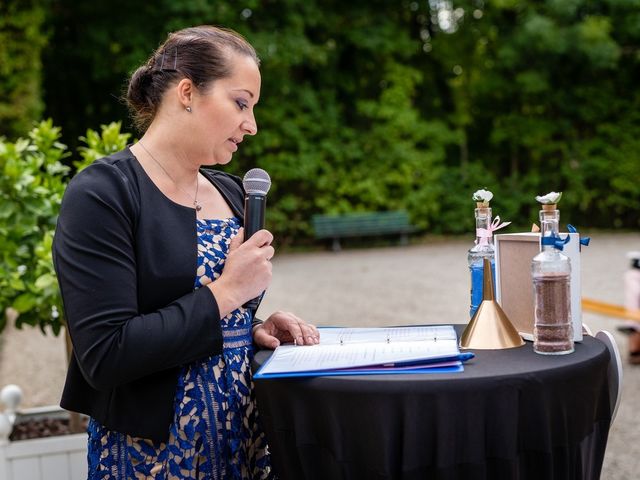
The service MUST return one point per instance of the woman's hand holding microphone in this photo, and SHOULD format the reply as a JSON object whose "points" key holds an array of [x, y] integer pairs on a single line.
{"points": [[247, 273]]}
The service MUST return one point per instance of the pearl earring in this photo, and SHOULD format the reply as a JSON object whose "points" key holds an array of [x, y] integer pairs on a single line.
{"points": [[188, 109]]}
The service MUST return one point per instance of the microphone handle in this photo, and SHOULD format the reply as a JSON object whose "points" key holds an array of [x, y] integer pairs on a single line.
{"points": [[254, 208], [254, 302]]}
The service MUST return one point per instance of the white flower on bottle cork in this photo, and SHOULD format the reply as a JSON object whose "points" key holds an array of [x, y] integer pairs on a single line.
{"points": [[550, 198], [482, 197]]}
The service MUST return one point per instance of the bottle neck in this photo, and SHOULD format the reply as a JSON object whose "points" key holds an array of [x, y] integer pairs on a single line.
{"points": [[549, 222], [484, 234]]}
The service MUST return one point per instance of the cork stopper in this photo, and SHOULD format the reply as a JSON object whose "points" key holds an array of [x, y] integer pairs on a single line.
{"points": [[482, 204], [550, 207]]}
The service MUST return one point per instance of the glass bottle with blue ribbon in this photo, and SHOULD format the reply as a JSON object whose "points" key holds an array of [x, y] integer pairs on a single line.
{"points": [[483, 247], [551, 272]]}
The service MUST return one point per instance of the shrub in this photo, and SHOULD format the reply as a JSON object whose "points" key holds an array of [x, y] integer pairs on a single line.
{"points": [[33, 178]]}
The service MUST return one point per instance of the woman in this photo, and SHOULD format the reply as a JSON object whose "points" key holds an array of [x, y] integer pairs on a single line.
{"points": [[153, 275]]}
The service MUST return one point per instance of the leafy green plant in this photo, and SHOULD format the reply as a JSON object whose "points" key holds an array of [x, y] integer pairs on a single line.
{"points": [[32, 181], [108, 141]]}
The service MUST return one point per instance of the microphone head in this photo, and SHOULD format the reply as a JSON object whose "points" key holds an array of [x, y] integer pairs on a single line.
{"points": [[256, 181]]}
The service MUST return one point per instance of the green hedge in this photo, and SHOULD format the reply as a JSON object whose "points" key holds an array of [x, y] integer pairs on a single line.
{"points": [[23, 37]]}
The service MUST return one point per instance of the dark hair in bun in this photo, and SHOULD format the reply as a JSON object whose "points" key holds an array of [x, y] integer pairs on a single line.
{"points": [[200, 54]]}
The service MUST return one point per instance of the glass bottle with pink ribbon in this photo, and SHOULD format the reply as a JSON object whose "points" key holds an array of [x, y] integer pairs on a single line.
{"points": [[483, 248], [551, 273]]}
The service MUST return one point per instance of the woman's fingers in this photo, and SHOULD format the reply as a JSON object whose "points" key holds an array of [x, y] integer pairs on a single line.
{"points": [[287, 327], [247, 271], [303, 333], [310, 333]]}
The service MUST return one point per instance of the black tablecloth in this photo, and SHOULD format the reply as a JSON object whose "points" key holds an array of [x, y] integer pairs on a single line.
{"points": [[512, 414]]}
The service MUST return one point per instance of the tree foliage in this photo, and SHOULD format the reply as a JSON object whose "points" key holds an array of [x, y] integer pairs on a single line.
{"points": [[542, 93], [374, 105], [32, 180], [22, 39]]}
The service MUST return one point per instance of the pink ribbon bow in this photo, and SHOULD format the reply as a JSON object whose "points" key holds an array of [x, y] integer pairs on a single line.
{"points": [[484, 234]]}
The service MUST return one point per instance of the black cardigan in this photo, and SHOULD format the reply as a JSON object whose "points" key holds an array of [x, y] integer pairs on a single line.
{"points": [[126, 258]]}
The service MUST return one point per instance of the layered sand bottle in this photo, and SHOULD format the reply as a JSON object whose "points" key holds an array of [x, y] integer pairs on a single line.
{"points": [[551, 271]]}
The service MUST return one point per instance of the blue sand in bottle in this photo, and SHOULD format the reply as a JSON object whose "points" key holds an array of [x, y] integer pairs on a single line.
{"points": [[477, 273]]}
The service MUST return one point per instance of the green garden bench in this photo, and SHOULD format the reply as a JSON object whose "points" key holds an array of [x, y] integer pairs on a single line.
{"points": [[362, 224]]}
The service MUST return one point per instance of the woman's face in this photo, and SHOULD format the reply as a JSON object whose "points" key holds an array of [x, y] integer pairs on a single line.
{"points": [[223, 114]]}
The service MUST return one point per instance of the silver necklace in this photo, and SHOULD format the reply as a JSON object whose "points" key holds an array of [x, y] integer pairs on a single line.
{"points": [[196, 204]]}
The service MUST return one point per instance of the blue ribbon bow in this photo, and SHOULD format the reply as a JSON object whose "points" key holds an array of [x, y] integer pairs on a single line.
{"points": [[583, 240], [555, 241]]}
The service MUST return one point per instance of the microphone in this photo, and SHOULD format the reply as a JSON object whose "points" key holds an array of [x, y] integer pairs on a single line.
{"points": [[256, 184]]}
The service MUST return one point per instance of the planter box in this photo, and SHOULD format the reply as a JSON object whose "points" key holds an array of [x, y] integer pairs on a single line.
{"points": [[61, 457], [53, 458]]}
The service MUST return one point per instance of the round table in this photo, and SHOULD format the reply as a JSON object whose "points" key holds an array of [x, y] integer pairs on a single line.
{"points": [[512, 414]]}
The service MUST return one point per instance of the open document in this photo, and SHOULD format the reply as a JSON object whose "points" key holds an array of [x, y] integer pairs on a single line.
{"points": [[359, 351]]}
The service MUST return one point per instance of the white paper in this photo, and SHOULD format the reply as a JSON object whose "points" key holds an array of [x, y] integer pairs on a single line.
{"points": [[359, 347], [329, 336]]}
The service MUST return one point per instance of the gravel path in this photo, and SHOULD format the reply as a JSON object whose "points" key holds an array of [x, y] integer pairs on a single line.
{"points": [[419, 284]]}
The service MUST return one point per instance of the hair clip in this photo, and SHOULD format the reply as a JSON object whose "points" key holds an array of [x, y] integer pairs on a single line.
{"points": [[175, 61]]}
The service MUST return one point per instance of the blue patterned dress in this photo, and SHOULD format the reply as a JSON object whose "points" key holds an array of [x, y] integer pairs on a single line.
{"points": [[215, 433]]}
